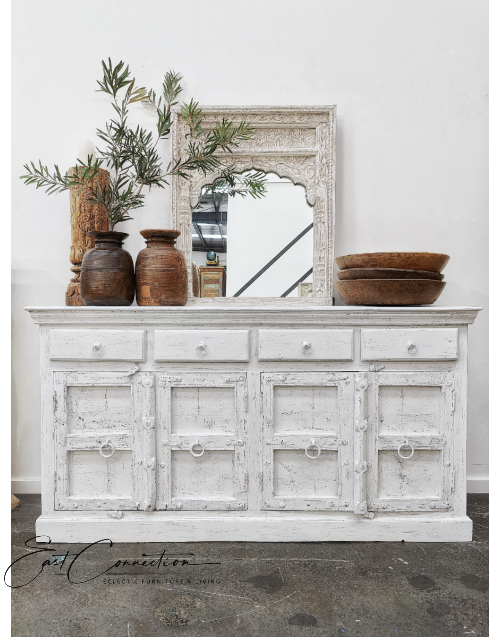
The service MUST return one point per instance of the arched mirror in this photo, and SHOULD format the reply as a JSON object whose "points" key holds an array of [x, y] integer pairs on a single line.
{"points": [[254, 243], [273, 248]]}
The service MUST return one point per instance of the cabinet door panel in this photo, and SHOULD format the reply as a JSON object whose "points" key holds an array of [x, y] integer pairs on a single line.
{"points": [[306, 408], [410, 441], [95, 478], [401, 479], [208, 410], [307, 433], [209, 476], [102, 451], [203, 451], [296, 477], [409, 409], [99, 408]]}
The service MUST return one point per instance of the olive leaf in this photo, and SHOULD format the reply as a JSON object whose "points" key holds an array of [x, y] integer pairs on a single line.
{"points": [[131, 155]]}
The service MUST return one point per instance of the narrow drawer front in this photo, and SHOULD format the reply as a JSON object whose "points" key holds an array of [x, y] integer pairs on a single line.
{"points": [[424, 344], [311, 345], [201, 345], [104, 345]]}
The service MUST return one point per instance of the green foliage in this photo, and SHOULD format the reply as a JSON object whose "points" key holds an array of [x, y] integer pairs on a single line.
{"points": [[229, 183], [131, 156]]}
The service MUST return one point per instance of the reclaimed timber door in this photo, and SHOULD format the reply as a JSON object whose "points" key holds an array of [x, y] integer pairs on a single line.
{"points": [[410, 441], [307, 441], [203, 441], [104, 441]]}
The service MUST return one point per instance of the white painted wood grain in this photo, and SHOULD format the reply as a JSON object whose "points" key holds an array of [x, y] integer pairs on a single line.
{"points": [[360, 457], [307, 411], [254, 480], [201, 345], [410, 344], [203, 414], [422, 482], [162, 527], [89, 345], [305, 345], [255, 314]]}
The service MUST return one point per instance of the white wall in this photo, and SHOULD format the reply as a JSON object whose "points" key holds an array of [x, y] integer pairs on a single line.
{"points": [[410, 82]]}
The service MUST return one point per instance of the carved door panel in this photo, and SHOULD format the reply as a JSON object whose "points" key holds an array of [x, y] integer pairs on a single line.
{"points": [[203, 448], [307, 441], [104, 439], [410, 436]]}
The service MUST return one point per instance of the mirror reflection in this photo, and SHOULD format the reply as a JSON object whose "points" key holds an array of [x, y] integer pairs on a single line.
{"points": [[252, 244]]}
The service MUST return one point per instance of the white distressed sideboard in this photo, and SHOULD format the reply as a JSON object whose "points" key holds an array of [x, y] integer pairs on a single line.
{"points": [[265, 423]]}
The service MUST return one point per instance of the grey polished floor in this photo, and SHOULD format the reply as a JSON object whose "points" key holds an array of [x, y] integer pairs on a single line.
{"points": [[324, 589]]}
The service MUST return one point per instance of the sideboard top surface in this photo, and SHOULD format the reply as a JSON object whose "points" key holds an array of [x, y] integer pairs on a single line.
{"points": [[258, 314]]}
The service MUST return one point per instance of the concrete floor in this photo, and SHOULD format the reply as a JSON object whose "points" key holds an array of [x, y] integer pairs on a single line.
{"points": [[324, 589]]}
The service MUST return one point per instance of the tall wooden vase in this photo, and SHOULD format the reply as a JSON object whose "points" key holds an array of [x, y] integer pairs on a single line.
{"points": [[85, 217]]}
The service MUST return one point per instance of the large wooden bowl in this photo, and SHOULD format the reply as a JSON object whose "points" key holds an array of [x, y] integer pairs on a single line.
{"points": [[387, 273], [430, 261], [389, 291]]}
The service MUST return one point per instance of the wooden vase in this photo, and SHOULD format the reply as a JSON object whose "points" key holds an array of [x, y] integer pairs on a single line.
{"points": [[161, 271], [85, 217], [107, 273]]}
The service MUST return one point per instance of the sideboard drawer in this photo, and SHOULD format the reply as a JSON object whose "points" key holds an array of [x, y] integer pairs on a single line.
{"points": [[201, 345], [311, 345], [416, 344], [104, 345]]}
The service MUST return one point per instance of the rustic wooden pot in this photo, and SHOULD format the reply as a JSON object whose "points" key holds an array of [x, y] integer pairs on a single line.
{"points": [[160, 269], [107, 275]]}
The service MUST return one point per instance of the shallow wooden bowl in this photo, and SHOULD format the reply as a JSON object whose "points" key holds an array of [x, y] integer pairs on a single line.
{"points": [[387, 273], [430, 261], [389, 291]]}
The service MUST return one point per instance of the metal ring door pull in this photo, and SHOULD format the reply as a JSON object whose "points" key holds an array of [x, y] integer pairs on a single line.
{"points": [[109, 444], [201, 349], [313, 444], [97, 349], [412, 348], [197, 444], [306, 347], [405, 443]]}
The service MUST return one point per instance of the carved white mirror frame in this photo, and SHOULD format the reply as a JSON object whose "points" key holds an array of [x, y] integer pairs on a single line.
{"points": [[293, 142]]}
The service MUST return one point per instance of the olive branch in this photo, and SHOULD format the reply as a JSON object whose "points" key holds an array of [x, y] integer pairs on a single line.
{"points": [[131, 154]]}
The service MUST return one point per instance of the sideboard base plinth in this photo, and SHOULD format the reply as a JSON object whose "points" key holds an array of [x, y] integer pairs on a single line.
{"points": [[158, 527]]}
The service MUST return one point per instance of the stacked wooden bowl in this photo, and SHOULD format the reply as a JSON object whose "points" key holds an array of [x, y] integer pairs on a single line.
{"points": [[391, 278]]}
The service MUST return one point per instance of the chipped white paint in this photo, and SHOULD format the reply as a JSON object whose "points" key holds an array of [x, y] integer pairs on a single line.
{"points": [[360, 461], [295, 448], [293, 142], [203, 447], [302, 411], [200, 345], [305, 345], [414, 409], [90, 345], [410, 344]]}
